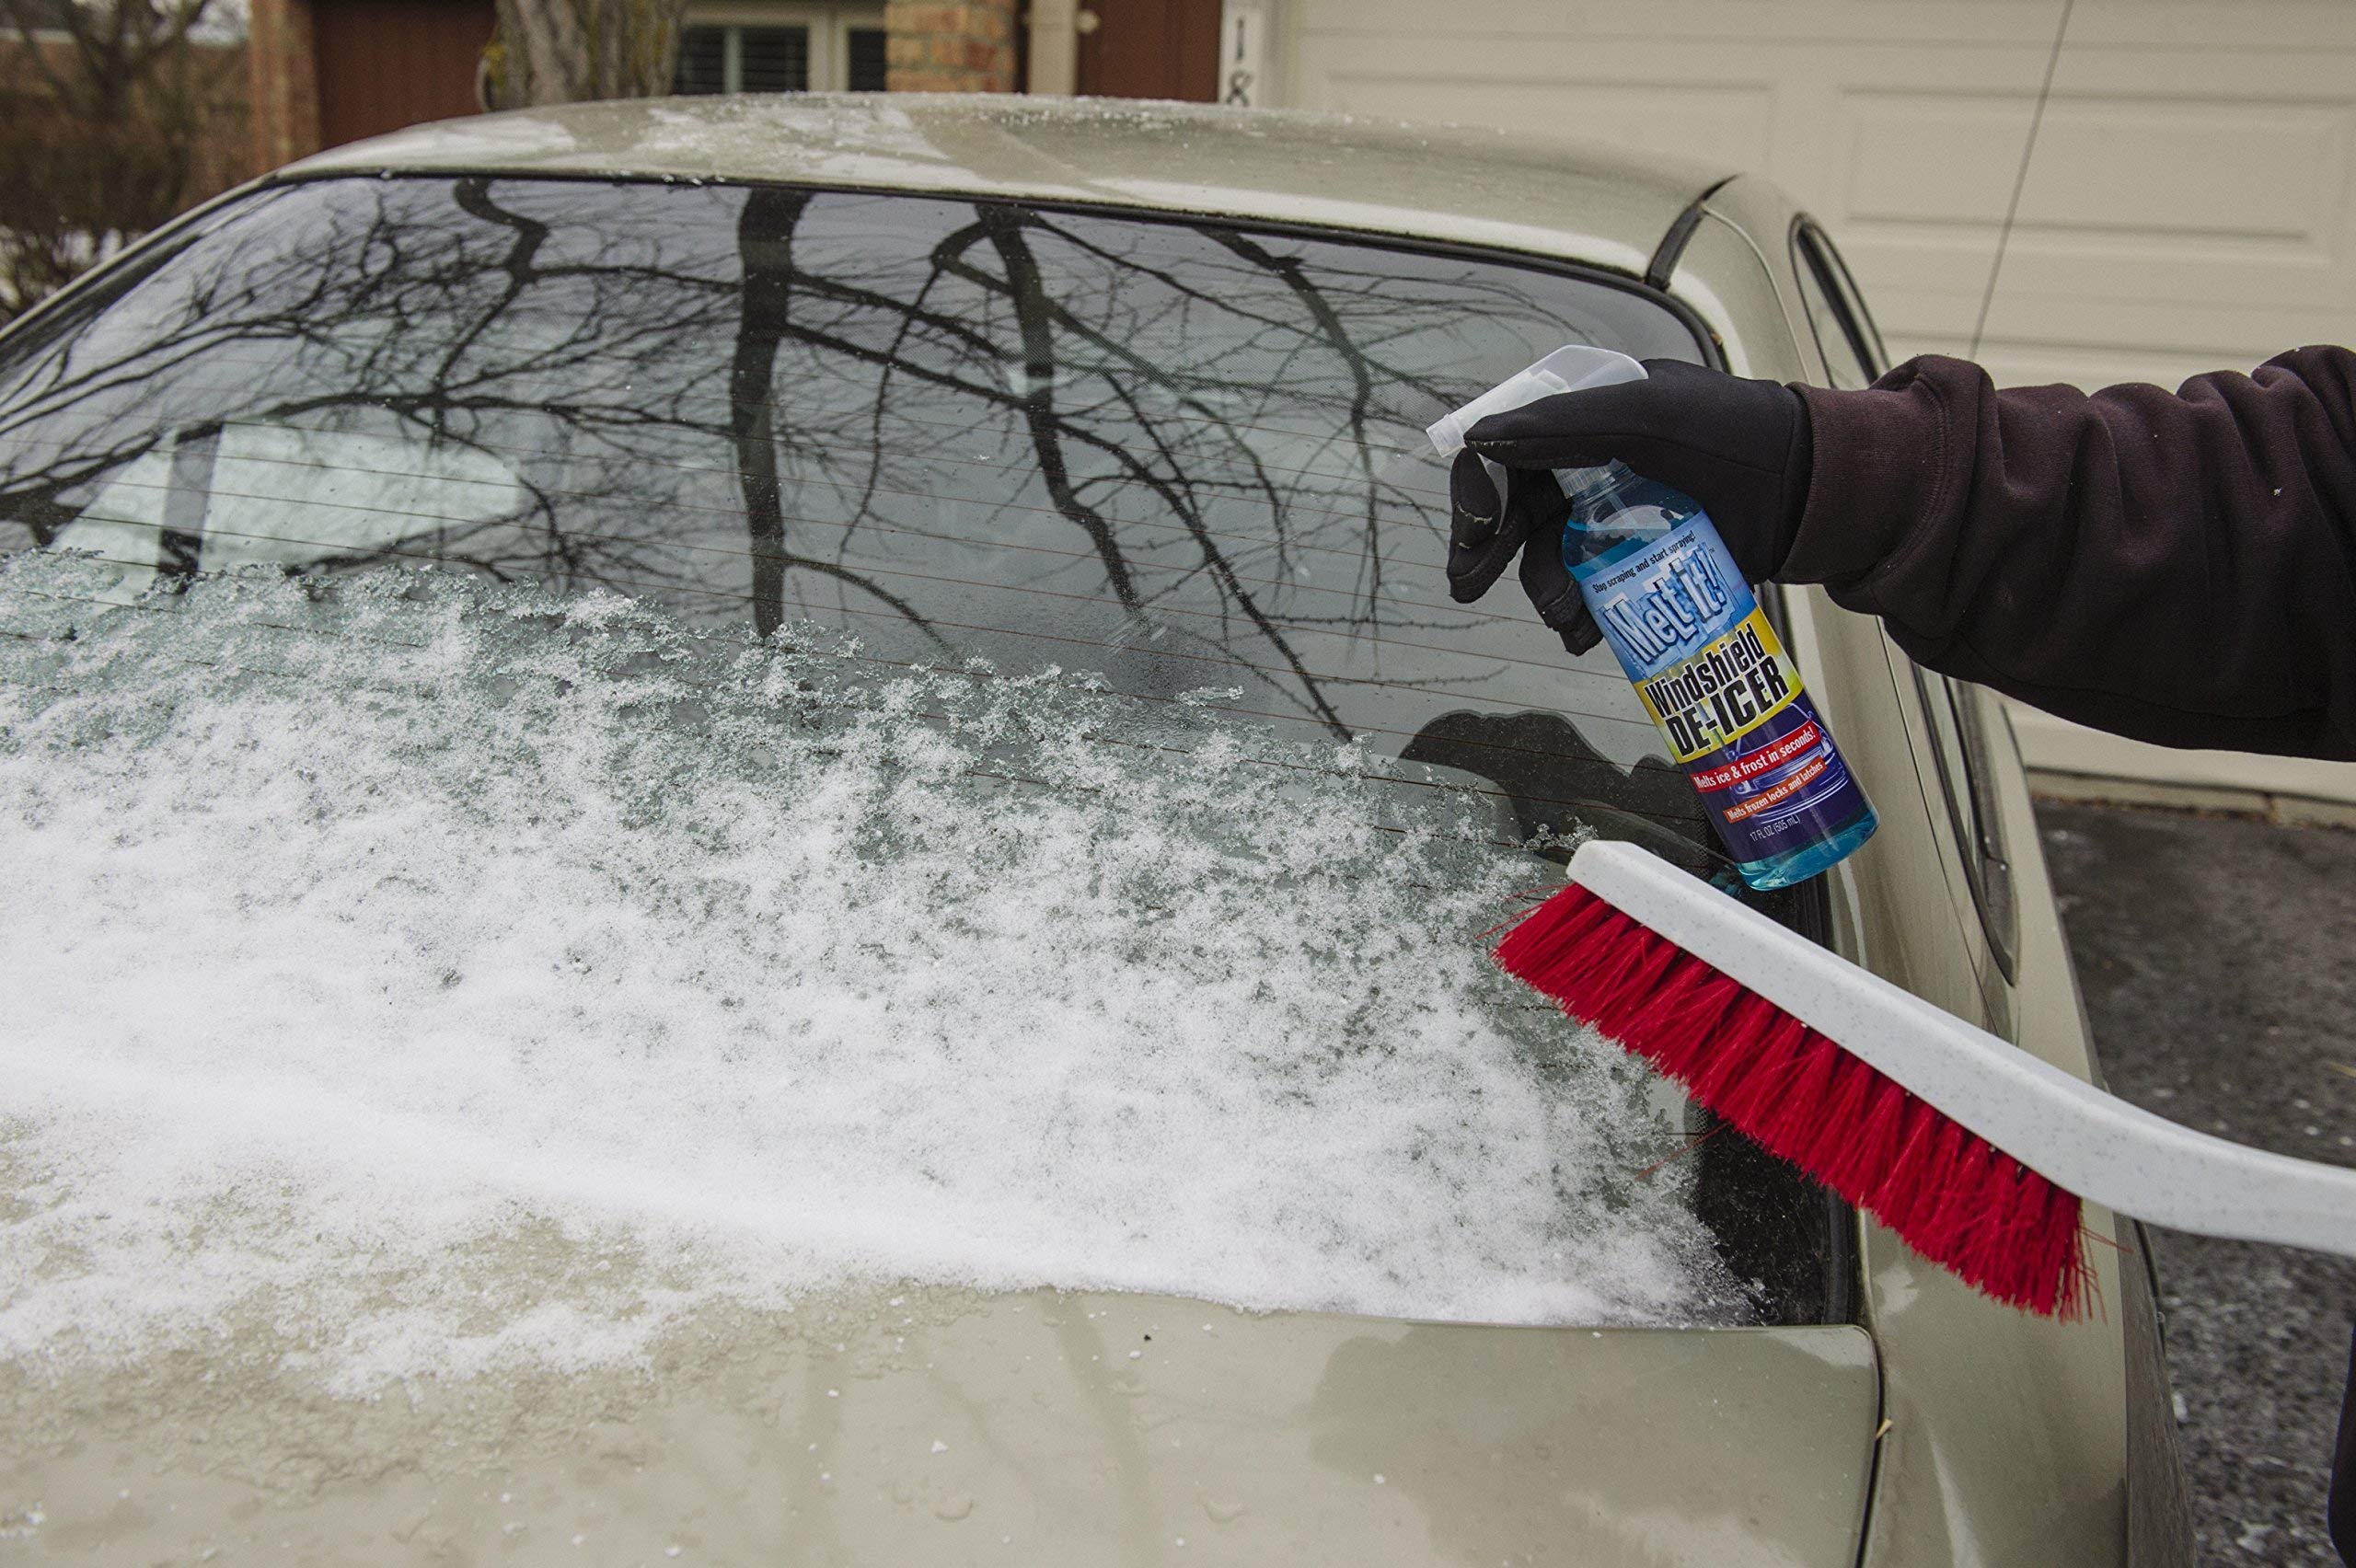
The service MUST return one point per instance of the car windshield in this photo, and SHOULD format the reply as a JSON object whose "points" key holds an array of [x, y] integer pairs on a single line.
{"points": [[1178, 460], [1180, 455]]}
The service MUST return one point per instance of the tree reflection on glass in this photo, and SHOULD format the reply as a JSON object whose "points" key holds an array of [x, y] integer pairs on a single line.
{"points": [[1183, 454]]}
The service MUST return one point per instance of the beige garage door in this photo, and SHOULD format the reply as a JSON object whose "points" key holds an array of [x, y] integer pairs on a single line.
{"points": [[2191, 205]]}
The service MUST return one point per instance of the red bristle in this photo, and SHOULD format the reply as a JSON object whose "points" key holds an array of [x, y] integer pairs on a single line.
{"points": [[1979, 1239], [1871, 1144], [1923, 1209], [1691, 1011], [1955, 1198], [1645, 964], [1577, 919], [2057, 1247], [1910, 1192], [1817, 1072], [1756, 1099], [1849, 1107], [1710, 1077], [1677, 1041], [2034, 1272], [1791, 1124], [1556, 927]]}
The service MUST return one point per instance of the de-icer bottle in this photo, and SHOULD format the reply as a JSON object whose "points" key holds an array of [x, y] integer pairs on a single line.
{"points": [[1694, 643]]}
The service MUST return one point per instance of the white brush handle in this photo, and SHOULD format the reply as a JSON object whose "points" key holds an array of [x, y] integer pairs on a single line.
{"points": [[2093, 1144]]}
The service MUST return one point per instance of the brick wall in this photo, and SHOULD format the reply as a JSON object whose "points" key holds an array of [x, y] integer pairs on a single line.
{"points": [[963, 48]]}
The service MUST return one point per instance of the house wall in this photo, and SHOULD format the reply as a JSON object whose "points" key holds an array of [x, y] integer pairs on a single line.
{"points": [[962, 48], [279, 81], [2191, 205]]}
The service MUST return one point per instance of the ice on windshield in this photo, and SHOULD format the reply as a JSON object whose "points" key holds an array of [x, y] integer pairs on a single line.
{"points": [[351, 926]]}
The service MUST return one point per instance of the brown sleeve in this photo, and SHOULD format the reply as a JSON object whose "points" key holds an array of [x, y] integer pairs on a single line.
{"points": [[2179, 568]]}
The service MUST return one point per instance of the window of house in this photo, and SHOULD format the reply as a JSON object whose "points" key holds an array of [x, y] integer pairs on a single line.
{"points": [[864, 52], [782, 49]]}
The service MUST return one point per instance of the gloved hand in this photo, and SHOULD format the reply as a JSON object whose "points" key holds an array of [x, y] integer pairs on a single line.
{"points": [[1738, 447]]}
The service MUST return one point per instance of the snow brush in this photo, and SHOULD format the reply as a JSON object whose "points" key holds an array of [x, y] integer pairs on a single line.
{"points": [[1975, 1152]]}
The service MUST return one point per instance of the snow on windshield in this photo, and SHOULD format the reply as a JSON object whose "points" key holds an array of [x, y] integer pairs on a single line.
{"points": [[349, 927]]}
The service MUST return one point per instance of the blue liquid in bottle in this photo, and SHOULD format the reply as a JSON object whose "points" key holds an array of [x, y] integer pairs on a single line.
{"points": [[1713, 675]]}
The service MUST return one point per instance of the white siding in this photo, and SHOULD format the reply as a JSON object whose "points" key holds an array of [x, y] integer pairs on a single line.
{"points": [[2191, 205]]}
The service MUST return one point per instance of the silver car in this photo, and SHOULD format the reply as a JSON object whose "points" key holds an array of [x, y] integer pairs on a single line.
{"points": [[1131, 392]]}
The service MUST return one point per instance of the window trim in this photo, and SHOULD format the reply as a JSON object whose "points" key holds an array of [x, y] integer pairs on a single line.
{"points": [[1815, 255], [1663, 266], [1972, 810]]}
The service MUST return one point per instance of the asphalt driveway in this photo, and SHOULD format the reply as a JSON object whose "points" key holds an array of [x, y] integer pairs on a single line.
{"points": [[2215, 956]]}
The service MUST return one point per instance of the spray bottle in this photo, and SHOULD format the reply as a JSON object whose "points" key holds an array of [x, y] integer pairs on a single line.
{"points": [[1694, 643]]}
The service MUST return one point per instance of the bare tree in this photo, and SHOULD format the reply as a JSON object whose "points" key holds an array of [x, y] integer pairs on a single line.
{"points": [[577, 50], [108, 134]]}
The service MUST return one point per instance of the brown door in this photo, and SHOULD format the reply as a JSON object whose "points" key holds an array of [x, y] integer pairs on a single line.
{"points": [[1155, 49], [386, 63]]}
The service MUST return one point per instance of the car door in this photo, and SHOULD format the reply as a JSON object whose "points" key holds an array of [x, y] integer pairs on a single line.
{"points": [[1952, 723], [1977, 788]]}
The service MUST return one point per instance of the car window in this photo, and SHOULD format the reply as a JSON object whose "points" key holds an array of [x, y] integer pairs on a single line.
{"points": [[1181, 457], [1181, 454], [301, 495], [1958, 717], [1845, 334]]}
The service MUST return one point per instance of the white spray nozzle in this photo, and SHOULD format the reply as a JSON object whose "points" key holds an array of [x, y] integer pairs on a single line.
{"points": [[1573, 369]]}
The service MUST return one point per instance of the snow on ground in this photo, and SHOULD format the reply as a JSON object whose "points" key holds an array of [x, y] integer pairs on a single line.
{"points": [[351, 932]]}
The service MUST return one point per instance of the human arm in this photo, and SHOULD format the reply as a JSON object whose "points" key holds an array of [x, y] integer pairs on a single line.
{"points": [[2175, 567]]}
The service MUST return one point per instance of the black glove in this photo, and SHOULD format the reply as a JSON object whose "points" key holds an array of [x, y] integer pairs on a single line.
{"points": [[1738, 447]]}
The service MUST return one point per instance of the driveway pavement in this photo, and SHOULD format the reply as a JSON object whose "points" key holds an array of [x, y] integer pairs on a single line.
{"points": [[2218, 960]]}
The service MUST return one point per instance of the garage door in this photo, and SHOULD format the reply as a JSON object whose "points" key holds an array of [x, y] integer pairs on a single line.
{"points": [[2191, 206]]}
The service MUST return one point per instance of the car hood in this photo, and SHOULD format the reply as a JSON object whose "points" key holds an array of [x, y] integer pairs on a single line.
{"points": [[918, 1428]]}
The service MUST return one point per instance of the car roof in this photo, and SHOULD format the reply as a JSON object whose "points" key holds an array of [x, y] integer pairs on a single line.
{"points": [[1515, 191]]}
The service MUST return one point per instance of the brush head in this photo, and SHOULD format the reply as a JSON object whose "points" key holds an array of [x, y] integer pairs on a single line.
{"points": [[1955, 1198]]}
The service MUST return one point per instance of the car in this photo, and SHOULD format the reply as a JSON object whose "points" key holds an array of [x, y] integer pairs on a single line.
{"points": [[1122, 401]]}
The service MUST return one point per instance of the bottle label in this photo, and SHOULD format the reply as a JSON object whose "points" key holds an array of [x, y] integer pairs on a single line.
{"points": [[1721, 690]]}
